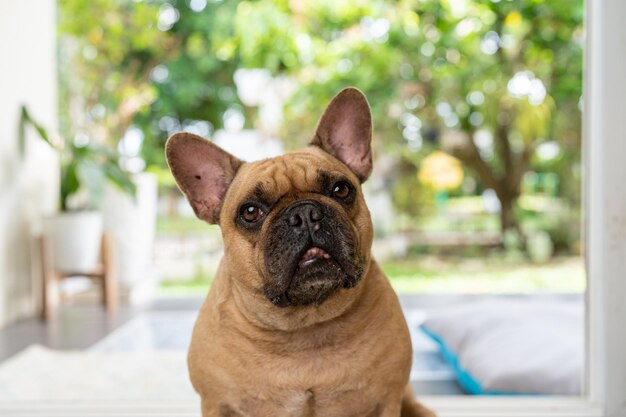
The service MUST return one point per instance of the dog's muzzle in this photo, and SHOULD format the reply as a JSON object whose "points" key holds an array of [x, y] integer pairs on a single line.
{"points": [[311, 252]]}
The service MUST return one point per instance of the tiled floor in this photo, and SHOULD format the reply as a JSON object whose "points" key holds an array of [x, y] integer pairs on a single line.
{"points": [[78, 326]]}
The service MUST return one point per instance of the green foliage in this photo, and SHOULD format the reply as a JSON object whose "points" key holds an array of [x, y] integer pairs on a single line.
{"points": [[150, 64], [408, 194], [449, 67], [111, 47], [83, 167], [486, 81]]}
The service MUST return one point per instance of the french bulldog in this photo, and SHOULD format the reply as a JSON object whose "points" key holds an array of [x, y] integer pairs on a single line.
{"points": [[300, 319]]}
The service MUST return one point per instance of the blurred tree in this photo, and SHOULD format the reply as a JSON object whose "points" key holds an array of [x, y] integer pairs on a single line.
{"points": [[108, 50], [195, 86], [486, 81], [144, 64], [498, 73]]}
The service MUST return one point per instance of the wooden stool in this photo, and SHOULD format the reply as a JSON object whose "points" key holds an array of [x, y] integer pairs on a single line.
{"points": [[105, 271]]}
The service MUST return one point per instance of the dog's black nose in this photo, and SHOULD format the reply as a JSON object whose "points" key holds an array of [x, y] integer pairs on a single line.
{"points": [[304, 214]]}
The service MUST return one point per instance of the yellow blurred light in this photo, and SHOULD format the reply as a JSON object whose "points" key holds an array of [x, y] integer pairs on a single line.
{"points": [[513, 19], [441, 171]]}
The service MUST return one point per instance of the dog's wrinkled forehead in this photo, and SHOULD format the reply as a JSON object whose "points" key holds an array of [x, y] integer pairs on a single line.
{"points": [[307, 171], [205, 173]]}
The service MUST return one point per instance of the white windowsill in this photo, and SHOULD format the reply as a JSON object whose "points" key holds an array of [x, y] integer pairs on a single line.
{"points": [[446, 406]]}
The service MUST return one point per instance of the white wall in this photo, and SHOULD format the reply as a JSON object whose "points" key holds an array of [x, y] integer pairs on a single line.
{"points": [[27, 184]]}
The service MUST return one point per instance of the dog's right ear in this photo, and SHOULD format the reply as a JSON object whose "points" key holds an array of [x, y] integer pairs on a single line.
{"points": [[345, 131], [203, 172]]}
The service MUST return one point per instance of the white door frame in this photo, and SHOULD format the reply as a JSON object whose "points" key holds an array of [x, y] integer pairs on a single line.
{"points": [[605, 233], [605, 204]]}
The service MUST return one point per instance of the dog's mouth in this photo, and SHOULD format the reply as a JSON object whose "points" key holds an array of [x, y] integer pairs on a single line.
{"points": [[307, 265], [315, 275], [313, 255]]}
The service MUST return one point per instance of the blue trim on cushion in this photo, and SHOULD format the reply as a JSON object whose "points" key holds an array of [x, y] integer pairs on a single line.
{"points": [[465, 379]]}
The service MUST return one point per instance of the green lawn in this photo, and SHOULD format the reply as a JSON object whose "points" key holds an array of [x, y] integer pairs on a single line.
{"points": [[487, 275], [184, 224], [184, 288], [429, 274]]}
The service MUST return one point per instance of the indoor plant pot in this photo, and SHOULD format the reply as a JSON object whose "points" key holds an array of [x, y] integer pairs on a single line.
{"points": [[75, 238], [74, 235]]}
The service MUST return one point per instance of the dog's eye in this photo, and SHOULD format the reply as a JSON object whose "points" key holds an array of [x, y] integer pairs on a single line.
{"points": [[341, 190], [251, 213]]}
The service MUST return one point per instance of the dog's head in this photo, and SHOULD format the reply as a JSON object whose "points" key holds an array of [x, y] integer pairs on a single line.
{"points": [[295, 227]]}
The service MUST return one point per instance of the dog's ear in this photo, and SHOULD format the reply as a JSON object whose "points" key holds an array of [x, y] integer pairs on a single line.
{"points": [[203, 172], [345, 131]]}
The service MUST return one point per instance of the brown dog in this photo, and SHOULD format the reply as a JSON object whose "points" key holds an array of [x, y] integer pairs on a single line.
{"points": [[300, 320]]}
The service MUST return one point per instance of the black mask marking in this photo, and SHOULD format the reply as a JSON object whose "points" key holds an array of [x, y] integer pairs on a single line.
{"points": [[303, 225]]}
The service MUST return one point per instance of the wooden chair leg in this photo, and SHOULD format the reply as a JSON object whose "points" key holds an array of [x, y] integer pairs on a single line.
{"points": [[109, 274], [50, 279]]}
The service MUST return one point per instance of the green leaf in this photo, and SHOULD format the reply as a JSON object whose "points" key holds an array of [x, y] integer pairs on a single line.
{"points": [[69, 183], [27, 119], [114, 173]]}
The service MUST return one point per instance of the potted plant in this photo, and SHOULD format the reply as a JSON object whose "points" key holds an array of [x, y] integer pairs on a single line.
{"points": [[75, 232]]}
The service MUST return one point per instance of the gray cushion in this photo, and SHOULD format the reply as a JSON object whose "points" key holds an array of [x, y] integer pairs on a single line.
{"points": [[513, 346]]}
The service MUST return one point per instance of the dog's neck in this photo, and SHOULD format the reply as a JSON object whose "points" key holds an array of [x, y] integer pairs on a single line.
{"points": [[267, 318]]}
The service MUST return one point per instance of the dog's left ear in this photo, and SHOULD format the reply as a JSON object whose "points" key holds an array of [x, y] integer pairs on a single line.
{"points": [[203, 172], [345, 131]]}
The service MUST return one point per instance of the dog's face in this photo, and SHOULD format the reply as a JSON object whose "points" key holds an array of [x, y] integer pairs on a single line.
{"points": [[295, 227], [299, 225]]}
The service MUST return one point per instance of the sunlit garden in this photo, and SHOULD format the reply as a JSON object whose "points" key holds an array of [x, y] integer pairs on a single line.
{"points": [[476, 106]]}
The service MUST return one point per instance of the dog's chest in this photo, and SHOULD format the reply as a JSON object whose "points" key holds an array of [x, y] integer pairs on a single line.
{"points": [[304, 404]]}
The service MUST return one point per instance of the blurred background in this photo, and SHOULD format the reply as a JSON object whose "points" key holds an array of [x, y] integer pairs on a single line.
{"points": [[476, 108], [476, 187]]}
